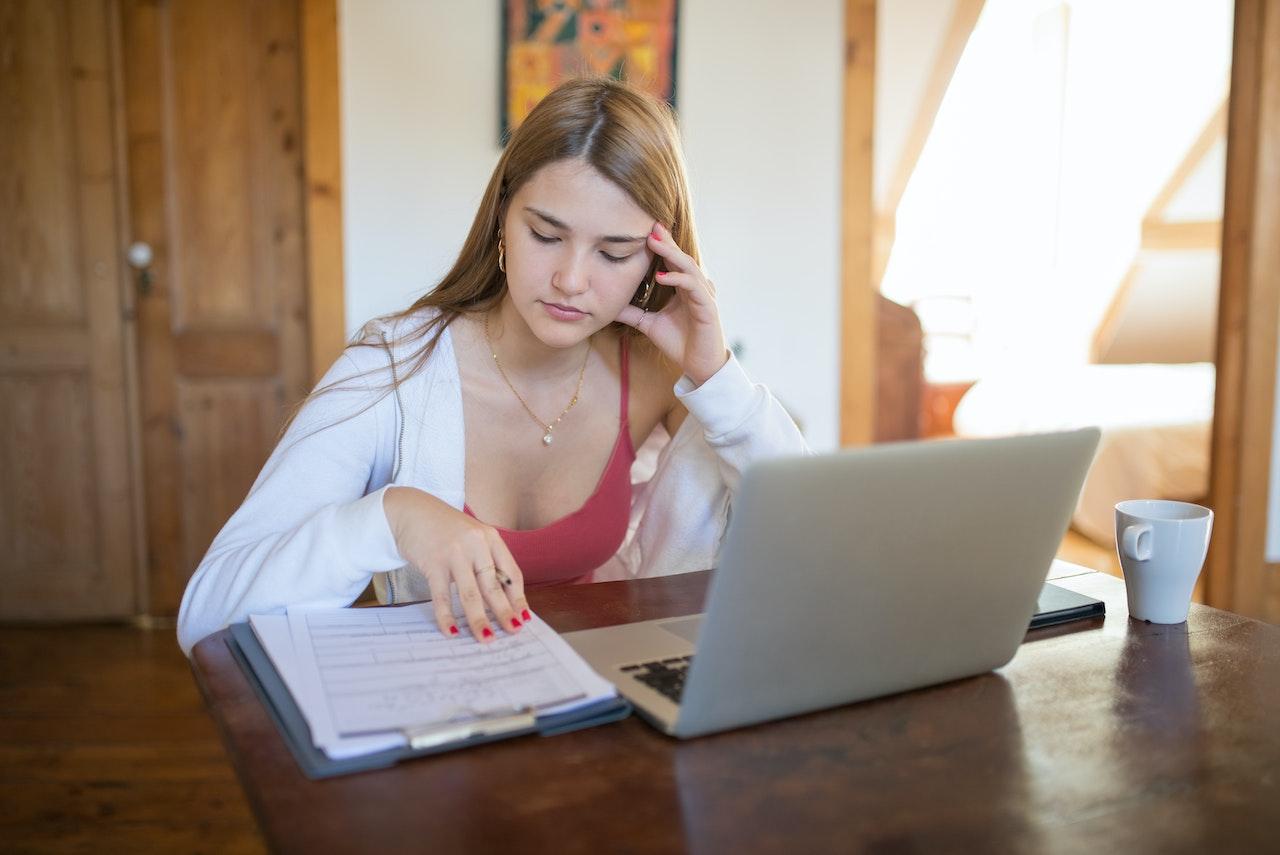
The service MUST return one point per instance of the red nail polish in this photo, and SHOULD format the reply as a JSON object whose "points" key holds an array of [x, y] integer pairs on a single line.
{"points": [[515, 622], [660, 273], [526, 614], [453, 630], [488, 633]]}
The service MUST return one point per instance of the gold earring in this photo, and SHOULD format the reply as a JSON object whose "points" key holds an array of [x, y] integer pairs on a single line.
{"points": [[648, 289], [502, 260]]}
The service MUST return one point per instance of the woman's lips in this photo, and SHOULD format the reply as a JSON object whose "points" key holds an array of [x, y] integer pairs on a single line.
{"points": [[563, 313]]}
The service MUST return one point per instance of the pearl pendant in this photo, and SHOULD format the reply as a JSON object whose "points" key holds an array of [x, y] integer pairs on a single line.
{"points": [[546, 440]]}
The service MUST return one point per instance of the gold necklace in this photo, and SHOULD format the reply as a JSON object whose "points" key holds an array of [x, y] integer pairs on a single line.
{"points": [[547, 426]]}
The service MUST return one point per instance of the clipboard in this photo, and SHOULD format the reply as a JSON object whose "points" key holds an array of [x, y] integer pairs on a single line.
{"points": [[436, 739]]}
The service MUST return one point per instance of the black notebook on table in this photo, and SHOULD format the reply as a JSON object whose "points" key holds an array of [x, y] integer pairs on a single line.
{"points": [[1058, 605], [315, 764]]}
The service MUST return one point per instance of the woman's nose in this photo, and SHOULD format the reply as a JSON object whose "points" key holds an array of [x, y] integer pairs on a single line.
{"points": [[572, 276]]}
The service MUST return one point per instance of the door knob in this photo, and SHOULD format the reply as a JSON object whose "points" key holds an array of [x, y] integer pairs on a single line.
{"points": [[139, 256]]}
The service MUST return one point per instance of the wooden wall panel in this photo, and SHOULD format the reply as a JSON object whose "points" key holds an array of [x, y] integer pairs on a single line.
{"points": [[857, 288], [67, 492], [1239, 578]]}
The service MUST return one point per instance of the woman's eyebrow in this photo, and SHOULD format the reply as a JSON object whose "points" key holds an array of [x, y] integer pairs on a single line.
{"points": [[560, 224]]}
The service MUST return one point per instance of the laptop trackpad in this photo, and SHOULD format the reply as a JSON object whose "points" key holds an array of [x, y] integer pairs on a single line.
{"points": [[686, 627]]}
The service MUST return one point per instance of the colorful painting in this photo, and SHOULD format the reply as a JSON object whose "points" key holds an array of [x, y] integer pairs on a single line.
{"points": [[546, 42]]}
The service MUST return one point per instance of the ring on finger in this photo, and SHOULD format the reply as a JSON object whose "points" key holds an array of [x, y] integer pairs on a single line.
{"points": [[502, 577]]}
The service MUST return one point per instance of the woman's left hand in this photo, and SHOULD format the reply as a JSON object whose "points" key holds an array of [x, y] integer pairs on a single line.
{"points": [[687, 329]]}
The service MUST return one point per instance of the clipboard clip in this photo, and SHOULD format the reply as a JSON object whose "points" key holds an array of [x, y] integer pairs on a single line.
{"points": [[458, 730]]}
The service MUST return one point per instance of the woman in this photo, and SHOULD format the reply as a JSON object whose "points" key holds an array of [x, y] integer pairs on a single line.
{"points": [[482, 440]]}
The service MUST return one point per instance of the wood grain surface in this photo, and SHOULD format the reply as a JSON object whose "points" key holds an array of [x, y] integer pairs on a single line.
{"points": [[67, 494], [106, 747], [1111, 735], [212, 99]]}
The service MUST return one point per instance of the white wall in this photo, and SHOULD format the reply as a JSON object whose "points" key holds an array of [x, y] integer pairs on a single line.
{"points": [[419, 139], [759, 97]]}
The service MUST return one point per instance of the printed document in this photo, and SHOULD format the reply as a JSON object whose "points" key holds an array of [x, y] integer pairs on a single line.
{"points": [[362, 676]]}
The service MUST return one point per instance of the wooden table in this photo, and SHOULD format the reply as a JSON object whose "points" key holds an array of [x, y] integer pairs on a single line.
{"points": [[1100, 736]]}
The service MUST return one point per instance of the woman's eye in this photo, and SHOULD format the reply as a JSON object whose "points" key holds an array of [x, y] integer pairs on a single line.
{"points": [[612, 259]]}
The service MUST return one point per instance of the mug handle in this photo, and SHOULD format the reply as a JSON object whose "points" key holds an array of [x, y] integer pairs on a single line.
{"points": [[1134, 544]]}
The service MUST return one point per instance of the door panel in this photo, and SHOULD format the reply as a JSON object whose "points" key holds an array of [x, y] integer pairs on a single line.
{"points": [[38, 235], [229, 424], [46, 495], [215, 140], [66, 489], [213, 100]]}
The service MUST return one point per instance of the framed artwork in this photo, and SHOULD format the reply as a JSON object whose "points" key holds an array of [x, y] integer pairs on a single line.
{"points": [[545, 42]]}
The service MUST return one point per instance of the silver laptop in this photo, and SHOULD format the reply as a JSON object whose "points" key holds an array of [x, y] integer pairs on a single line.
{"points": [[853, 575]]}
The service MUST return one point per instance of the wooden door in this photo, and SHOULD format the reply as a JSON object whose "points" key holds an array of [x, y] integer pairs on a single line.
{"points": [[67, 521], [213, 103]]}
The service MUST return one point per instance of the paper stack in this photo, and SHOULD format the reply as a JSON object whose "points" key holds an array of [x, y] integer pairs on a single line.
{"points": [[366, 680]]}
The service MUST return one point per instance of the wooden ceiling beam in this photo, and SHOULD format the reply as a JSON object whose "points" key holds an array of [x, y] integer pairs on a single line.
{"points": [[1214, 130], [1197, 234], [964, 18]]}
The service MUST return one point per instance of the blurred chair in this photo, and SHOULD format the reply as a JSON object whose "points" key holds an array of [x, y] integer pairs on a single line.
{"points": [[899, 372]]}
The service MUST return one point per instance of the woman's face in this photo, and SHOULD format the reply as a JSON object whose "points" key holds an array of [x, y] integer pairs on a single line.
{"points": [[575, 251]]}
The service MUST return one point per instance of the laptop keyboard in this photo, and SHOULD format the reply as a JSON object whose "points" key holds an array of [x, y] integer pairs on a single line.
{"points": [[665, 676]]}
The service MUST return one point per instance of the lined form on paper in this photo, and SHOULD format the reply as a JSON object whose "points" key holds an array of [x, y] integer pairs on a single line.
{"points": [[272, 632], [387, 669]]}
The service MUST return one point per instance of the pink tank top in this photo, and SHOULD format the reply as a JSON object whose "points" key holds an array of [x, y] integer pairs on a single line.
{"points": [[572, 547]]}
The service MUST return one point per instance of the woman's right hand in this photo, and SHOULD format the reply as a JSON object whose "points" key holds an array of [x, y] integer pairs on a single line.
{"points": [[447, 545]]}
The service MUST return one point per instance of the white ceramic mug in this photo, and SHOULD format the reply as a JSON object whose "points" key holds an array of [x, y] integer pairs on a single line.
{"points": [[1162, 546]]}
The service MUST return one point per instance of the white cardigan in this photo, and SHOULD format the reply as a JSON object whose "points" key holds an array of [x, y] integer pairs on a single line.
{"points": [[312, 530]]}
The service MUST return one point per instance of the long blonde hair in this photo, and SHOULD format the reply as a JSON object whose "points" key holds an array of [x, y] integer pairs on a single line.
{"points": [[627, 136]]}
